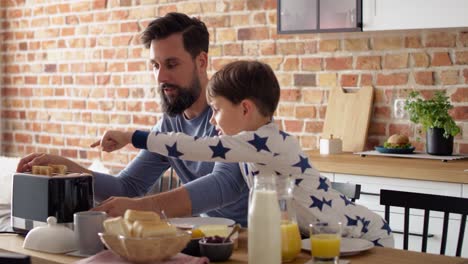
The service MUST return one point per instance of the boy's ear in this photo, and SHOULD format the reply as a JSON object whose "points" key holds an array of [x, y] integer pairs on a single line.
{"points": [[247, 106]]}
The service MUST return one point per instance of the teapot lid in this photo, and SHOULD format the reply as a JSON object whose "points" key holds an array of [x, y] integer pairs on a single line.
{"points": [[51, 238]]}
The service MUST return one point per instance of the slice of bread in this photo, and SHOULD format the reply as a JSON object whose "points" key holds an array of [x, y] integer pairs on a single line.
{"points": [[134, 215], [145, 229], [117, 226]]}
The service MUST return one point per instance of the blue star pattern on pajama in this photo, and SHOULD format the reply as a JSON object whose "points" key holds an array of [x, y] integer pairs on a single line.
{"points": [[270, 151]]}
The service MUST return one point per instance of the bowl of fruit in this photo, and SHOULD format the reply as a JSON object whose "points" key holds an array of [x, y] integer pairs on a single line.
{"points": [[216, 248]]}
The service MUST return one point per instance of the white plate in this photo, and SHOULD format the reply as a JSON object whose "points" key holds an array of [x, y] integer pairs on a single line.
{"points": [[348, 247], [191, 222]]}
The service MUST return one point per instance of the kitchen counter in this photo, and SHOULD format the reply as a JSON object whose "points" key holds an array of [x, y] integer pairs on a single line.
{"points": [[404, 168]]}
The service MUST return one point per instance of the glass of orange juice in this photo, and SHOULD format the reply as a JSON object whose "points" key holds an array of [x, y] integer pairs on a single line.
{"points": [[325, 241]]}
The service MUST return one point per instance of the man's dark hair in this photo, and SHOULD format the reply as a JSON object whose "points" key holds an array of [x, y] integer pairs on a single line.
{"points": [[194, 32], [252, 80]]}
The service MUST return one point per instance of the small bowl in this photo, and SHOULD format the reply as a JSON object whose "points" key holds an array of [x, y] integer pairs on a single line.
{"points": [[192, 248], [216, 252]]}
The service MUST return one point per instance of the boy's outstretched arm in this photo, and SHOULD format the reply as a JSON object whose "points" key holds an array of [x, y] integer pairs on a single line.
{"points": [[113, 140]]}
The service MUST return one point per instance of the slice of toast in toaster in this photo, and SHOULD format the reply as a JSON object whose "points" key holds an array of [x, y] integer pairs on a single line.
{"points": [[59, 169], [42, 170]]}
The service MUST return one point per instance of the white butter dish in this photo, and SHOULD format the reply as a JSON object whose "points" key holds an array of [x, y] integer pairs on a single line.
{"points": [[52, 238]]}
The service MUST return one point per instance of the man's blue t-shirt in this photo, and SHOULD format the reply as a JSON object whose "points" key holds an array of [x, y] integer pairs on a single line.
{"points": [[217, 189]]}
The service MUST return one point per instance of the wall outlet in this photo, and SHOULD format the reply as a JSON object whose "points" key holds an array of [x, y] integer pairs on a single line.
{"points": [[399, 111]]}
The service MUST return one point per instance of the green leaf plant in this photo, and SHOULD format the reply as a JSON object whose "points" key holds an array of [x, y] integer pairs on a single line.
{"points": [[431, 113]]}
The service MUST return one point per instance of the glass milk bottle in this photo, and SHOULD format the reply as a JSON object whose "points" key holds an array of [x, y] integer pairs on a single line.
{"points": [[264, 232], [290, 235]]}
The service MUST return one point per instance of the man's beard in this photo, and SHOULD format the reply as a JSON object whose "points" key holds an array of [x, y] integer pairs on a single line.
{"points": [[183, 99]]}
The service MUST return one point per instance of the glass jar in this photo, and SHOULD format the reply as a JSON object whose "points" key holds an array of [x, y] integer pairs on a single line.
{"points": [[264, 232], [290, 235]]}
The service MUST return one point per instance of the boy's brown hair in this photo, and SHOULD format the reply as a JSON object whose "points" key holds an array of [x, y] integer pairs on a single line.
{"points": [[252, 80]]}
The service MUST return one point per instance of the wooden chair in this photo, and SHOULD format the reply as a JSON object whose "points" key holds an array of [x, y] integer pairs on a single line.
{"points": [[426, 202], [350, 190]]}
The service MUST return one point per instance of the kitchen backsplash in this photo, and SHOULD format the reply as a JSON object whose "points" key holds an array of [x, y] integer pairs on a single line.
{"points": [[73, 69]]}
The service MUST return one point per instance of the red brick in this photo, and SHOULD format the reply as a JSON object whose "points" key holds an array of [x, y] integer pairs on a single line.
{"points": [[329, 45], [252, 33], [448, 77], [377, 128], [232, 49], [463, 148], [293, 125], [461, 57], [424, 77], [23, 138], [30, 79], [441, 59], [440, 39], [392, 79], [144, 120], [99, 4], [304, 80], [340, 63], [366, 79], [129, 27], [396, 61], [413, 42], [314, 127], [368, 63], [290, 95], [136, 66], [460, 95], [103, 79], [465, 75], [459, 113], [383, 112], [400, 129], [306, 111], [121, 40], [349, 79], [63, 8], [312, 64]]}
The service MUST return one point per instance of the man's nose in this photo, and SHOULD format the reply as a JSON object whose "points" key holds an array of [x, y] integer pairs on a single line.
{"points": [[161, 75]]}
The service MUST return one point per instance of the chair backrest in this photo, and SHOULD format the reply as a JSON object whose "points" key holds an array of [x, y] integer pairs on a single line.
{"points": [[166, 182], [350, 190], [426, 202]]}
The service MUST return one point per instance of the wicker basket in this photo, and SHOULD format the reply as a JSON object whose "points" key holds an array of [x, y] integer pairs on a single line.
{"points": [[143, 250]]}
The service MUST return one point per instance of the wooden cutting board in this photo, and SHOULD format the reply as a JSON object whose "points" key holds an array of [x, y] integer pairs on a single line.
{"points": [[348, 115]]}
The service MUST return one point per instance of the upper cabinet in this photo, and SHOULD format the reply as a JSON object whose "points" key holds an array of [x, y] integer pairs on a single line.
{"points": [[305, 16], [413, 14], [314, 16]]}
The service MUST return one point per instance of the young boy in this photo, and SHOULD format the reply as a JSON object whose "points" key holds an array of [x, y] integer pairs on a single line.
{"points": [[244, 96]]}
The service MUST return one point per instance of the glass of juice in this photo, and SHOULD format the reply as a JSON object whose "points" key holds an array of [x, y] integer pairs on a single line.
{"points": [[325, 241]]}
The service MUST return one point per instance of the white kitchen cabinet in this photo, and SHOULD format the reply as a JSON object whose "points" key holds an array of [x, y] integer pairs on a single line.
{"points": [[413, 14], [370, 190]]}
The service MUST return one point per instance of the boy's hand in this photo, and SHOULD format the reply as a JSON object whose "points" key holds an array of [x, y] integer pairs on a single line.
{"points": [[113, 140]]}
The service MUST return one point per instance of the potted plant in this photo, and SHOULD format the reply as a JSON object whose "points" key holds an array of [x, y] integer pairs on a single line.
{"points": [[433, 115]]}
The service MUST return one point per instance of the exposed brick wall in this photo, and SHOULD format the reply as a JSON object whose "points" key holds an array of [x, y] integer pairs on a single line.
{"points": [[73, 69]]}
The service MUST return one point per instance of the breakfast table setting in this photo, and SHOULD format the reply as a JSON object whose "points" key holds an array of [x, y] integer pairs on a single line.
{"points": [[13, 243]]}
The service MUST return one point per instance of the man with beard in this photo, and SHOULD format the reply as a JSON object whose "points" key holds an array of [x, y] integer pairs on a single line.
{"points": [[179, 56]]}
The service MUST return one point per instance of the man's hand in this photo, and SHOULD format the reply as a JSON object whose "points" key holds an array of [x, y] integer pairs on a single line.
{"points": [[41, 159], [116, 206], [113, 140]]}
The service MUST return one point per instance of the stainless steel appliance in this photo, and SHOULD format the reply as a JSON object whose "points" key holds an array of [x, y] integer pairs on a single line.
{"points": [[35, 197]]}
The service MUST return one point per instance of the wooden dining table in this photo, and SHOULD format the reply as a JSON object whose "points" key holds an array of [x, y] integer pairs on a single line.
{"points": [[13, 243]]}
